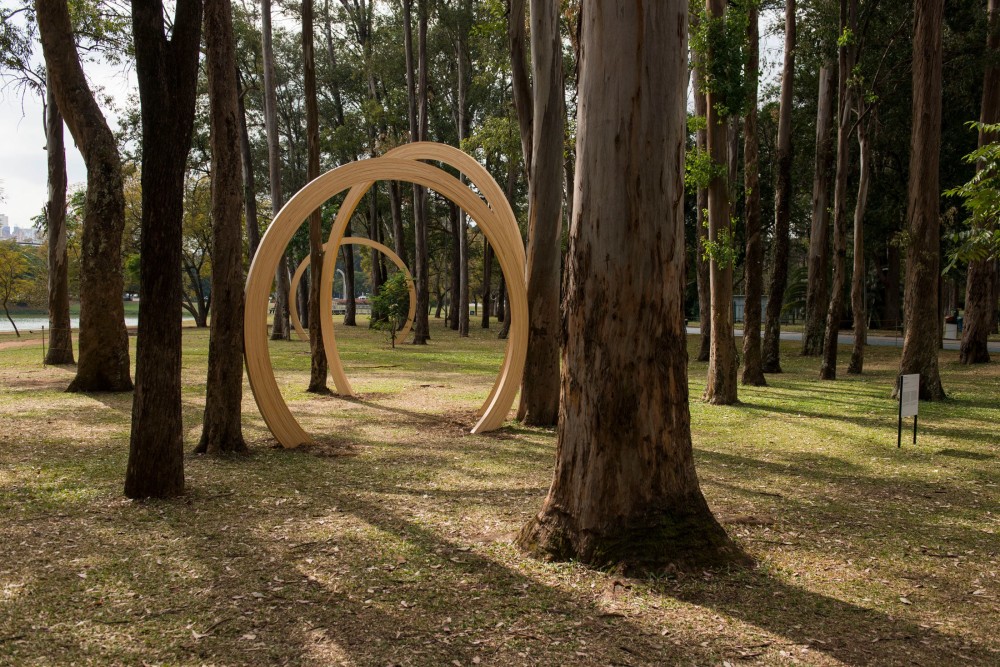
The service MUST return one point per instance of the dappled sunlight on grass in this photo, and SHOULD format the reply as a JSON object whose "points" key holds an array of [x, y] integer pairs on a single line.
{"points": [[391, 541]]}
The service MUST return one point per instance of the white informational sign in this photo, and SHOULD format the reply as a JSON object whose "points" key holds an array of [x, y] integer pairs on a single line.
{"points": [[909, 395]]}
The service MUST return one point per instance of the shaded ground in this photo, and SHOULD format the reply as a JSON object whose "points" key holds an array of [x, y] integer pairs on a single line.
{"points": [[390, 543]]}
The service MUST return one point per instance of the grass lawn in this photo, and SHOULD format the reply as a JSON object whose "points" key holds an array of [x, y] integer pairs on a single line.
{"points": [[391, 542]]}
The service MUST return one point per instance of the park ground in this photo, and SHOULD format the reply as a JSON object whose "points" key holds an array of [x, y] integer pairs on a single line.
{"points": [[391, 541]]}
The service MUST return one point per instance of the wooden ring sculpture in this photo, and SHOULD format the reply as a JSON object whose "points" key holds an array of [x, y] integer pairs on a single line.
{"points": [[293, 309], [491, 212]]}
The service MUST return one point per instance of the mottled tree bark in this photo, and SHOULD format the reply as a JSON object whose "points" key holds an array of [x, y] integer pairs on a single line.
{"points": [[858, 305], [103, 340], [464, 122], [167, 72], [625, 492], [222, 432], [817, 291], [281, 328], [920, 311], [753, 372], [980, 292], [720, 388], [845, 67], [60, 327], [771, 351]]}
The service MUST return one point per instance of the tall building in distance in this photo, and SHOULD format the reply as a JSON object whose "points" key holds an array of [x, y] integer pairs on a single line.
{"points": [[21, 235]]}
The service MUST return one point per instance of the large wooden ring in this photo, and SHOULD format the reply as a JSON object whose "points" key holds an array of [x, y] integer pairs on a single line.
{"points": [[293, 308], [494, 216]]}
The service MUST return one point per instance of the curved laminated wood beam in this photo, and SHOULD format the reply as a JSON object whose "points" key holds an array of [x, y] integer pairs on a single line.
{"points": [[496, 220], [293, 309]]}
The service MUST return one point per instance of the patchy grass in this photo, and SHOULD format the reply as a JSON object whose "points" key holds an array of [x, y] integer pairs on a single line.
{"points": [[391, 542]]}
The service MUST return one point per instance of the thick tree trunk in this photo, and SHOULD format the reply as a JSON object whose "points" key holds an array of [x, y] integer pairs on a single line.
{"points": [[222, 432], [539, 404], [281, 329], [702, 264], [720, 388], [858, 305], [625, 492], [771, 351], [103, 340], [249, 181], [817, 291], [921, 340], [487, 283], [753, 372], [980, 293], [521, 83], [318, 366], [845, 68], [167, 72], [60, 328]]}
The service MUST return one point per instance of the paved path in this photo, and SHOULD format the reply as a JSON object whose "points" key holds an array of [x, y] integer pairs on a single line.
{"points": [[848, 339]]}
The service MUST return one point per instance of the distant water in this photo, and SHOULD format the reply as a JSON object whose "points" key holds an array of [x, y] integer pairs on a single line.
{"points": [[36, 323]]}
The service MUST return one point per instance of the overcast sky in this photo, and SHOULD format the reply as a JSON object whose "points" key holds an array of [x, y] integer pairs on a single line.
{"points": [[22, 135]]}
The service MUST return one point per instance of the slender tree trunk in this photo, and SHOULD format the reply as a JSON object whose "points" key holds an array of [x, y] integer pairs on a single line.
{"points": [[771, 351], [350, 304], [103, 340], [249, 181], [421, 326], [701, 262], [396, 209], [522, 93], [167, 72], [539, 404], [891, 309], [980, 292], [60, 328], [281, 329], [222, 432], [817, 291], [845, 67], [502, 317], [921, 340], [487, 283], [464, 79], [858, 305], [454, 274], [625, 492], [720, 389], [318, 367], [753, 373]]}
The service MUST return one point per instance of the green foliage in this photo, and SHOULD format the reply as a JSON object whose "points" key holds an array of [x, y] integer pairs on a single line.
{"points": [[980, 238], [722, 249], [699, 170], [391, 305], [722, 43]]}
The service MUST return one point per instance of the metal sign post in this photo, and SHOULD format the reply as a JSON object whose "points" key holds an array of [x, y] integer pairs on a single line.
{"points": [[909, 404]]}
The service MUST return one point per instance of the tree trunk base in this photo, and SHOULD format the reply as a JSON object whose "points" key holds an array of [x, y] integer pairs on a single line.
{"points": [[974, 352], [64, 357], [99, 384], [857, 364], [319, 388], [220, 446], [771, 366], [753, 377], [661, 541], [706, 344]]}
